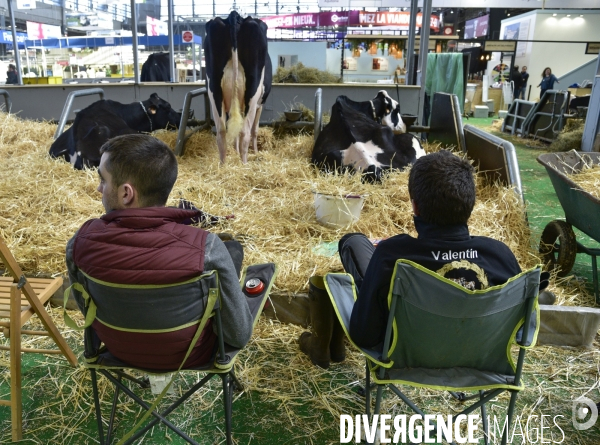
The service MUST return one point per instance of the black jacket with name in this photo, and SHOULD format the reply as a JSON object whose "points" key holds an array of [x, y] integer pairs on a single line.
{"points": [[476, 262]]}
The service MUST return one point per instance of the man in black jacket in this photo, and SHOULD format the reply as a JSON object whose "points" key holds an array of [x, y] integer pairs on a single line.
{"points": [[517, 80], [442, 191]]}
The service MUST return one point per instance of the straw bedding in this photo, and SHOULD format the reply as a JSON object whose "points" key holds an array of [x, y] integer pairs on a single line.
{"points": [[44, 201], [589, 180]]}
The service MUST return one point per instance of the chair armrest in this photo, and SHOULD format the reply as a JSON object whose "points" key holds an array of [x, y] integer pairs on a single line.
{"points": [[534, 324], [266, 273], [343, 294]]}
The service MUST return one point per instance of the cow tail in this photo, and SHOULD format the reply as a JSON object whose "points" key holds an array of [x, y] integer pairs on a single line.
{"points": [[235, 122]]}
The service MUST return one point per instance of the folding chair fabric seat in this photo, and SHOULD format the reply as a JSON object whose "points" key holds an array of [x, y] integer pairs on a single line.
{"points": [[442, 336], [151, 326], [150, 314]]}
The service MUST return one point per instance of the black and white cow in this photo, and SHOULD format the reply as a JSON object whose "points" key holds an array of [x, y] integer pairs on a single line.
{"points": [[382, 109], [105, 119], [156, 68], [355, 141], [238, 76]]}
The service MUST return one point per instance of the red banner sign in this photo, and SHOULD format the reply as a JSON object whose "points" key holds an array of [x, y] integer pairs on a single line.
{"points": [[394, 19], [346, 18]]}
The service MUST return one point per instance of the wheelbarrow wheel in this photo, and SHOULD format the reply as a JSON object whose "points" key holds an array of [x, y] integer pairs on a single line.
{"points": [[558, 247]]}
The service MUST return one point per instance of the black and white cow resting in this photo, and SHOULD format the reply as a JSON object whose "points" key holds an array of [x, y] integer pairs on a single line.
{"points": [[353, 140], [105, 119], [382, 109], [238, 76]]}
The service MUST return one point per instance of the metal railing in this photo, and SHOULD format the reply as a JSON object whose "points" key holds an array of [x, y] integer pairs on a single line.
{"points": [[7, 100], [69, 103], [318, 112], [181, 136]]}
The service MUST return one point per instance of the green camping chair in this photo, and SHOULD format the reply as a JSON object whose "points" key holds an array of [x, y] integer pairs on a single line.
{"points": [[124, 312], [442, 336]]}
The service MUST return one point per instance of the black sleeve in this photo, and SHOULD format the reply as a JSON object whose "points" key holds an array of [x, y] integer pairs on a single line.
{"points": [[370, 312]]}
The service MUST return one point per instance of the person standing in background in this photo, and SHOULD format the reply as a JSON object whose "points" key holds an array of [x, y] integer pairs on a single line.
{"points": [[525, 77], [547, 82], [11, 75], [517, 80]]}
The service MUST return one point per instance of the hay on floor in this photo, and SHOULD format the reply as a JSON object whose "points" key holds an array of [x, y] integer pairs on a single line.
{"points": [[44, 201]]}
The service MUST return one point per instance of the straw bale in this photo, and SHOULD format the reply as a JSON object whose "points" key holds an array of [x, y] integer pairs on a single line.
{"points": [[303, 74], [497, 124]]}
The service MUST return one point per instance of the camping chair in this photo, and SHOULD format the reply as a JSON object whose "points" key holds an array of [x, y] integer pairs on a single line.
{"points": [[180, 310], [20, 299], [442, 336]]}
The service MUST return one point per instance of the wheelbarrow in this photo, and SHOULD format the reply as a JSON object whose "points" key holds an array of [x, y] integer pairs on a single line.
{"points": [[558, 245]]}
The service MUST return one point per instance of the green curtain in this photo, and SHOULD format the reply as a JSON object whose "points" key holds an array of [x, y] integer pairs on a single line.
{"points": [[445, 75]]}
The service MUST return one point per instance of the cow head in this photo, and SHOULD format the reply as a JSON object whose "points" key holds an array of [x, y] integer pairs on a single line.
{"points": [[160, 113], [391, 112], [394, 120]]}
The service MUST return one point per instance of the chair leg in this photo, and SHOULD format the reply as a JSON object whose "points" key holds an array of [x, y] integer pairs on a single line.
{"points": [[486, 429], [368, 390], [227, 405], [97, 406], [511, 408], [113, 411], [237, 385], [16, 403]]}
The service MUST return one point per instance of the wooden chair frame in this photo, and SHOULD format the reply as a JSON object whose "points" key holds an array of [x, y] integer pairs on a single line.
{"points": [[20, 299]]}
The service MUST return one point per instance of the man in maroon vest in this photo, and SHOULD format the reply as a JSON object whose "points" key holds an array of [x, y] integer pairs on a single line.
{"points": [[139, 241]]}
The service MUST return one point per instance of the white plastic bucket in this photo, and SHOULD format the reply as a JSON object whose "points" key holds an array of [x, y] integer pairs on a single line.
{"points": [[338, 211], [470, 93]]}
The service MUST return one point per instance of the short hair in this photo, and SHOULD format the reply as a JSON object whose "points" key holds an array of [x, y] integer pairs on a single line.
{"points": [[443, 188], [145, 162], [516, 67], [12, 66]]}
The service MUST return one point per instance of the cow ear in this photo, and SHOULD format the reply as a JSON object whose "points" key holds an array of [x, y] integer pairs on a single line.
{"points": [[152, 109]]}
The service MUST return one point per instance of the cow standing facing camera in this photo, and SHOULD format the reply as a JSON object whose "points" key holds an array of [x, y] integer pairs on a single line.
{"points": [[238, 78]]}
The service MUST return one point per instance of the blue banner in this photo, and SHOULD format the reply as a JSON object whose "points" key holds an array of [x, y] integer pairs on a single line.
{"points": [[94, 42]]}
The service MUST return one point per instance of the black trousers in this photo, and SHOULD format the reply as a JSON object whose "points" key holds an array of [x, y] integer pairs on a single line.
{"points": [[355, 251]]}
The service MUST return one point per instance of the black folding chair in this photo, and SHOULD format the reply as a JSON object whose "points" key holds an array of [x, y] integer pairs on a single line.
{"points": [[149, 310]]}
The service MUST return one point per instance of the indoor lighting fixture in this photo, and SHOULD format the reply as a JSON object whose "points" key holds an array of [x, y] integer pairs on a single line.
{"points": [[508, 15], [580, 15], [554, 15], [568, 15]]}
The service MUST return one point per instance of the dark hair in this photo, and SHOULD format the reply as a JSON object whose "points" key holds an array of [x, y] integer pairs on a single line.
{"points": [[11, 66], [517, 67], [443, 188], [544, 72], [145, 162]]}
